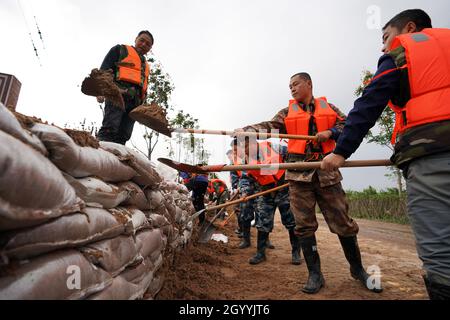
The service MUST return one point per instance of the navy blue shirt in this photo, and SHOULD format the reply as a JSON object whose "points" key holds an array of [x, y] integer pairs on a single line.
{"points": [[369, 107]]}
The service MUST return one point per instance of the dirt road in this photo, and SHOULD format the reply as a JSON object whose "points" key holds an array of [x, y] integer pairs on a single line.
{"points": [[221, 271]]}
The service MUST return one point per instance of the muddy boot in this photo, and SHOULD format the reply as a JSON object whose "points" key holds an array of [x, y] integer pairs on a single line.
{"points": [[315, 278], [436, 291], [261, 248], [353, 255], [296, 248], [245, 243], [269, 244]]}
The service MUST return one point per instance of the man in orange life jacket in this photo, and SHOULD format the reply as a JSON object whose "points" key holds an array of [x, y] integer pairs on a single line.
{"points": [[413, 76], [131, 72], [307, 115], [218, 191], [266, 205]]}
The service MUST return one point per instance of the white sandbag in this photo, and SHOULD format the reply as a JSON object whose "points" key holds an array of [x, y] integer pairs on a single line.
{"points": [[112, 255], [136, 273], [71, 230], [155, 198], [136, 197], [147, 175], [80, 162], [161, 222], [120, 289], [10, 125], [32, 189], [151, 243], [134, 218], [97, 193], [156, 285], [60, 275]]}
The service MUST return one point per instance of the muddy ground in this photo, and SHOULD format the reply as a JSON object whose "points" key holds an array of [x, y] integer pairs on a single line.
{"points": [[221, 271]]}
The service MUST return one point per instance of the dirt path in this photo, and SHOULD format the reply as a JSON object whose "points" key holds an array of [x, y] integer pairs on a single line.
{"points": [[221, 271]]}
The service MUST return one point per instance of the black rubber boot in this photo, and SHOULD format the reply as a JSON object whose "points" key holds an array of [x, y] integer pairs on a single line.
{"points": [[436, 291], [261, 248], [353, 255], [245, 243], [269, 244], [315, 278], [296, 248]]}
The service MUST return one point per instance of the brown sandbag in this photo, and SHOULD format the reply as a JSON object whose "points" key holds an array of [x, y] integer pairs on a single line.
{"points": [[80, 162], [147, 175], [97, 193], [112, 255], [68, 231], [120, 289], [136, 196], [32, 189], [10, 125], [53, 276], [155, 286]]}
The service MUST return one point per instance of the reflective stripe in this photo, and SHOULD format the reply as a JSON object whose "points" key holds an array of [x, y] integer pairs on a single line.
{"points": [[419, 37], [323, 104]]}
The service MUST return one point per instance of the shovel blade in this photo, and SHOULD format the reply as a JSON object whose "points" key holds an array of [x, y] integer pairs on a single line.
{"points": [[206, 232], [181, 166]]}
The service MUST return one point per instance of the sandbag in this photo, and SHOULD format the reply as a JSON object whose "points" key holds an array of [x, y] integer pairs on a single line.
{"points": [[112, 255], [155, 198], [135, 219], [120, 289], [136, 273], [97, 193], [136, 197], [32, 189], [161, 222], [80, 162], [10, 125], [156, 285], [71, 230], [151, 243], [147, 175], [53, 276]]}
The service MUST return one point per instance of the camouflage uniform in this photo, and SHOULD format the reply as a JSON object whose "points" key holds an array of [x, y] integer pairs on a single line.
{"points": [[310, 186], [246, 209]]}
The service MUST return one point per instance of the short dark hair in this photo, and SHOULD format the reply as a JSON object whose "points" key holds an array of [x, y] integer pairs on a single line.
{"points": [[418, 16], [304, 75], [149, 34]]}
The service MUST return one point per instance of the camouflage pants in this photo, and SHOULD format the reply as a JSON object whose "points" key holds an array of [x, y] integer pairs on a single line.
{"points": [[247, 209], [332, 202], [266, 206]]}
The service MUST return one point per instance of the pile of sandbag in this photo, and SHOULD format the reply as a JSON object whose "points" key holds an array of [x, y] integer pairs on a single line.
{"points": [[78, 222]]}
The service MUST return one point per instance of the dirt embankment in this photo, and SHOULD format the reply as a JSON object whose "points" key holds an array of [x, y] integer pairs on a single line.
{"points": [[221, 271]]}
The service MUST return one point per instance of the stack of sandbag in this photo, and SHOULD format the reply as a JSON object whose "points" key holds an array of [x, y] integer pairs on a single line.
{"points": [[83, 222]]}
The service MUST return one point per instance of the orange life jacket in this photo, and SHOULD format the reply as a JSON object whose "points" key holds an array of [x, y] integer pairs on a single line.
{"points": [[130, 70], [297, 122], [213, 182], [428, 62], [267, 155]]}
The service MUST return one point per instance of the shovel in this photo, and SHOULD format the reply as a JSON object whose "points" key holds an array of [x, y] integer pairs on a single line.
{"points": [[207, 232], [207, 229], [278, 166]]}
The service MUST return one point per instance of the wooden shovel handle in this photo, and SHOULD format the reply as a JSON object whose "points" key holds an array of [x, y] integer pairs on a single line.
{"points": [[244, 199], [261, 135]]}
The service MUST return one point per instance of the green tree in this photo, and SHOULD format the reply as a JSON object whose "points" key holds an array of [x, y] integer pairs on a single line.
{"points": [[187, 148], [386, 126]]}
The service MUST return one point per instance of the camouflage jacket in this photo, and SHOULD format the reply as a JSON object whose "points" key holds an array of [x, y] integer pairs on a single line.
{"points": [[277, 122]]}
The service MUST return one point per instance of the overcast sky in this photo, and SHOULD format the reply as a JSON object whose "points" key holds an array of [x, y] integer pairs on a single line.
{"points": [[230, 61]]}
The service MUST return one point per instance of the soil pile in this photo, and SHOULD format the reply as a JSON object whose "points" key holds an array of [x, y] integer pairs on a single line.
{"points": [[100, 83]]}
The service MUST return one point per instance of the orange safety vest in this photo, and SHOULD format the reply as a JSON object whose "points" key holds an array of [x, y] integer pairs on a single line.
{"points": [[427, 59], [267, 156], [215, 181], [130, 70], [297, 122]]}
